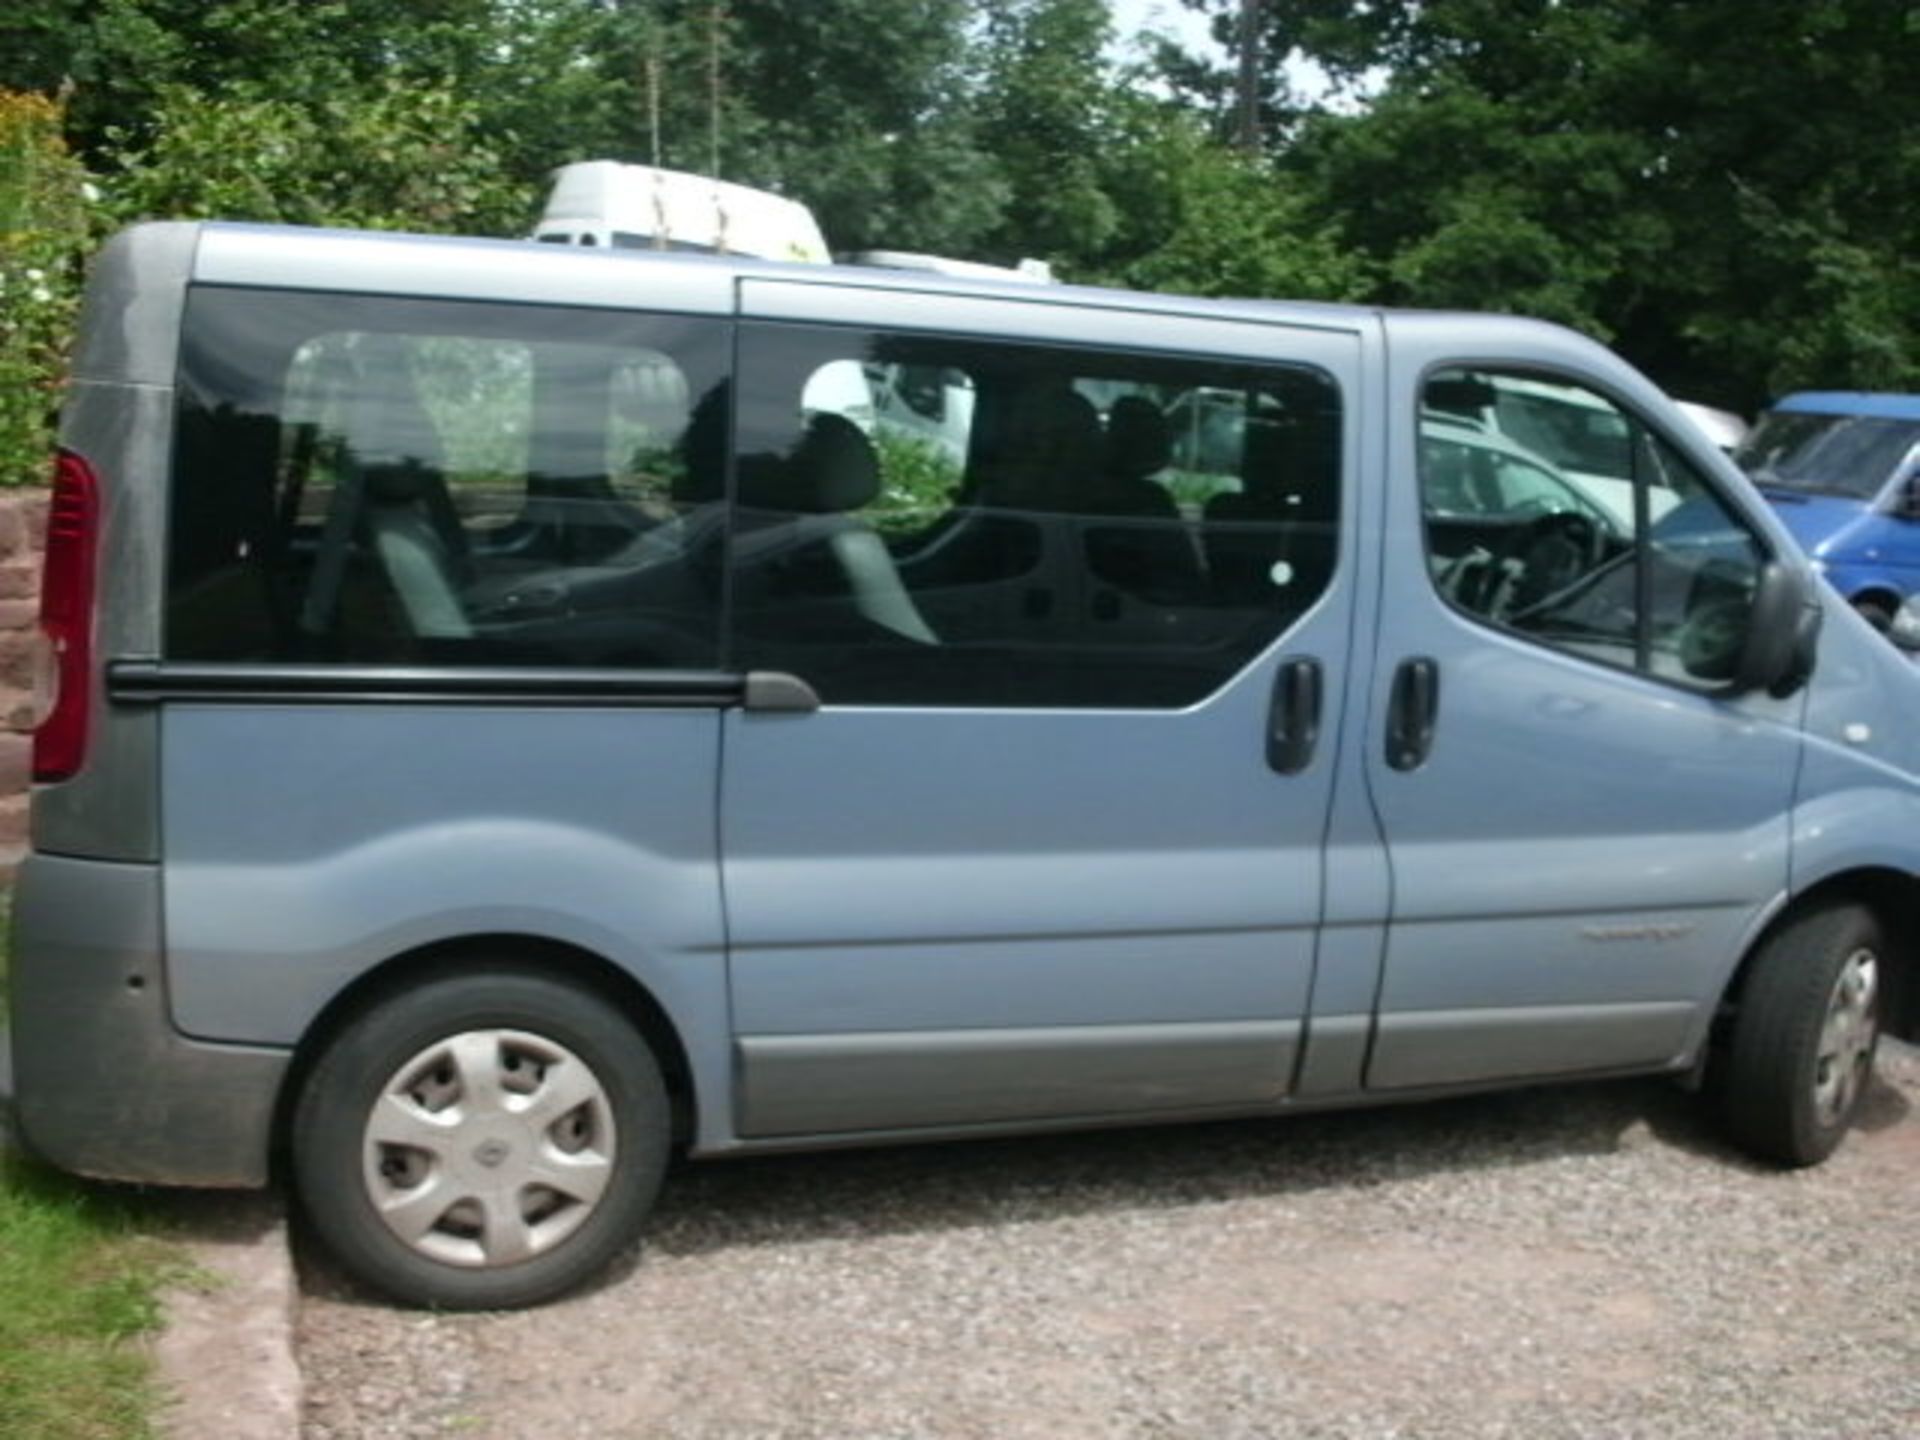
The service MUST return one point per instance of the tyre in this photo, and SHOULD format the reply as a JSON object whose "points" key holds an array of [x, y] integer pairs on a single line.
{"points": [[485, 1139], [1804, 1035]]}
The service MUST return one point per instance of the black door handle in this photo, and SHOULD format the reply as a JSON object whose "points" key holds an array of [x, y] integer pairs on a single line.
{"points": [[1293, 718], [1411, 713]]}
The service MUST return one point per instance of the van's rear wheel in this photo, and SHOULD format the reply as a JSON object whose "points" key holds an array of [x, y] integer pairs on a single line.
{"points": [[1804, 1035], [483, 1140]]}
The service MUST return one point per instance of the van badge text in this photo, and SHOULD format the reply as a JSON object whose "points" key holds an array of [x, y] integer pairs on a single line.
{"points": [[1671, 930]]}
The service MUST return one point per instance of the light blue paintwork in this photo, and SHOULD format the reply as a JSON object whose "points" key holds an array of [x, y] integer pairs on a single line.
{"points": [[929, 870], [1565, 804], [1858, 804], [1567, 884], [307, 844]]}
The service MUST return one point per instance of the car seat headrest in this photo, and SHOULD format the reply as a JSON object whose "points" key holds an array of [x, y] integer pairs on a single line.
{"points": [[832, 470], [1139, 441]]}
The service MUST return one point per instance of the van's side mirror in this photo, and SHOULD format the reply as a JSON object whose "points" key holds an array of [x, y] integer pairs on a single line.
{"points": [[1783, 630]]}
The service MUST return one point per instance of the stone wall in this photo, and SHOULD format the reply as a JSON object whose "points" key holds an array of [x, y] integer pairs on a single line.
{"points": [[23, 524]]}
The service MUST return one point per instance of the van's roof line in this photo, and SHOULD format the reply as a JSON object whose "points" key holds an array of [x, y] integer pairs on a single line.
{"points": [[395, 262]]}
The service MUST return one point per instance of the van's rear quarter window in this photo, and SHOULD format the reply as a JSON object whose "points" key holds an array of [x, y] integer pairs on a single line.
{"points": [[372, 480]]}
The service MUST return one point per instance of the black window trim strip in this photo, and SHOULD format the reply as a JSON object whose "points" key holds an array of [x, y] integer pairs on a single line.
{"points": [[152, 682]]}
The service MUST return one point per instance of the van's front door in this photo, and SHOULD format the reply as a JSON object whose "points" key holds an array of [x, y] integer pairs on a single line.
{"points": [[1050, 845], [1583, 827]]}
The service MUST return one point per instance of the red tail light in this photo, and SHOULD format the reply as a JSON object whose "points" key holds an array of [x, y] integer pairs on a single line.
{"points": [[65, 707]]}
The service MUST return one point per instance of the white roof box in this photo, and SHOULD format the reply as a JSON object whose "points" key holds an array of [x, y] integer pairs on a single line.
{"points": [[1036, 270], [642, 207]]}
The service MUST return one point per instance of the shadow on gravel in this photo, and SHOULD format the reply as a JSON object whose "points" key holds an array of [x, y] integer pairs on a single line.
{"points": [[764, 1200], [721, 1205], [1882, 1108]]}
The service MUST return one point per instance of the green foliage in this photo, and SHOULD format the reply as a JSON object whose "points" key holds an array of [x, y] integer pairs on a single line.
{"points": [[918, 480], [1726, 192], [397, 157], [1048, 113], [1234, 225], [78, 1288], [1192, 489], [44, 230], [1858, 322], [861, 108]]}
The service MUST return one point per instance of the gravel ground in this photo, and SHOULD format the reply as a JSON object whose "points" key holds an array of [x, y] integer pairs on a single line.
{"points": [[1572, 1261]]}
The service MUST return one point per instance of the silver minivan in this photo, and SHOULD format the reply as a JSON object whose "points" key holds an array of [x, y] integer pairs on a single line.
{"points": [[505, 728]]}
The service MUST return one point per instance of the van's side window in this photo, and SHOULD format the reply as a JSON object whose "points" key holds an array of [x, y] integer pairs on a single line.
{"points": [[945, 521], [1553, 513], [375, 480]]}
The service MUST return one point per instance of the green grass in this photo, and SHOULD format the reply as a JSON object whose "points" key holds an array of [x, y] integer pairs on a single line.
{"points": [[80, 1271]]}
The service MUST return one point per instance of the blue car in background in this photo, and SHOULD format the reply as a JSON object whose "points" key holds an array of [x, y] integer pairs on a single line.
{"points": [[1842, 468]]}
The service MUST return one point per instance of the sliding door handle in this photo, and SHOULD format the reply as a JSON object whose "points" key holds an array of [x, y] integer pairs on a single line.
{"points": [[1413, 712], [1293, 718]]}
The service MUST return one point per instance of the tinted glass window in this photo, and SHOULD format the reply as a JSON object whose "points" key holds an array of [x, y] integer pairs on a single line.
{"points": [[929, 521], [1638, 564], [396, 481]]}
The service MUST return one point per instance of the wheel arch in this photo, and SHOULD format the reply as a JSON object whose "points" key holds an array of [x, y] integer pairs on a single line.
{"points": [[1893, 896], [1879, 594], [536, 954]]}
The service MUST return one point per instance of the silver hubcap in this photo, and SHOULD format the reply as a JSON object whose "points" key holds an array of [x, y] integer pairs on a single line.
{"points": [[488, 1148], [1846, 1037]]}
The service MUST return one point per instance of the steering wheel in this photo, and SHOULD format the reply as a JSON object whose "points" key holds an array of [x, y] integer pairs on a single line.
{"points": [[1540, 559]]}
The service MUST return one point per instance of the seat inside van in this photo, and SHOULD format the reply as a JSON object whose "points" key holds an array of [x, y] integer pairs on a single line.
{"points": [[391, 493]]}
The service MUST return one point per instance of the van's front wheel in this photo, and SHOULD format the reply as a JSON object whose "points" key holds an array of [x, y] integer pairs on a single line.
{"points": [[1804, 1035], [483, 1140]]}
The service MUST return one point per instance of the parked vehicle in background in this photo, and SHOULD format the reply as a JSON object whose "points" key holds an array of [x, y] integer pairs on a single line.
{"points": [[642, 207], [1037, 271], [1842, 469], [1577, 432], [1580, 435], [1724, 428], [507, 723]]}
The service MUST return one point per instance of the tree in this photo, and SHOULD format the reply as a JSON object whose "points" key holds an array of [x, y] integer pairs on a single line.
{"points": [[1204, 219], [541, 76], [1723, 190], [1048, 114], [45, 227], [859, 108], [396, 157]]}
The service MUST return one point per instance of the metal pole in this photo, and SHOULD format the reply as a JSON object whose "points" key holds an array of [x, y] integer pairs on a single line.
{"points": [[713, 88], [1249, 137], [653, 96]]}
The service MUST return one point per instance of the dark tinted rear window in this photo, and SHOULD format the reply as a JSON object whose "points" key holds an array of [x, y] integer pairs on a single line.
{"points": [[374, 480]]}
